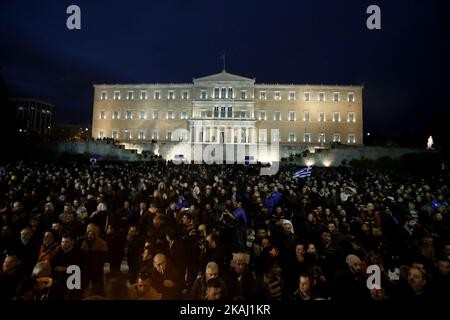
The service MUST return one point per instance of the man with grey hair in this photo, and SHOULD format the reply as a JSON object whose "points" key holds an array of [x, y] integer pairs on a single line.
{"points": [[240, 281], [165, 279], [198, 291], [28, 250]]}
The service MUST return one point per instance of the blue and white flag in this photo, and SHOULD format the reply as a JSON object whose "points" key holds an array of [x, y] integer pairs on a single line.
{"points": [[303, 173]]}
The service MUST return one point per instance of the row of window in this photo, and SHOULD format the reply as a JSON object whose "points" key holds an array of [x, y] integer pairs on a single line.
{"points": [[321, 96], [144, 95], [321, 117], [170, 115], [321, 137], [227, 112], [226, 93], [127, 134], [292, 136]]}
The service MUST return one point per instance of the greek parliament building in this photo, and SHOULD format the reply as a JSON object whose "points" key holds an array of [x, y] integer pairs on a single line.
{"points": [[231, 110]]}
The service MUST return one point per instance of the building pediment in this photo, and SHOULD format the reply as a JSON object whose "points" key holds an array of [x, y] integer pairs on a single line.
{"points": [[223, 77]]}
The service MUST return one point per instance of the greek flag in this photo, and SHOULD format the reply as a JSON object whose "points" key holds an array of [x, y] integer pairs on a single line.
{"points": [[303, 173]]}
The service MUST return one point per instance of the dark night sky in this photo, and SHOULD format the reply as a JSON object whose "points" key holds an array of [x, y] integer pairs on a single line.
{"points": [[405, 66]]}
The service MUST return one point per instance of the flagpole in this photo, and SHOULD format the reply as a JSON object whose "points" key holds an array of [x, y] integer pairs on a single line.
{"points": [[224, 63]]}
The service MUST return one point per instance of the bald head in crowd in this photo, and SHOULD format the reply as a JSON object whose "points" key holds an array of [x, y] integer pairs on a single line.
{"points": [[160, 263], [212, 270]]}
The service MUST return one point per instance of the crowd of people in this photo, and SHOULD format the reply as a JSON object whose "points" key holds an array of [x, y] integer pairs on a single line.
{"points": [[155, 230]]}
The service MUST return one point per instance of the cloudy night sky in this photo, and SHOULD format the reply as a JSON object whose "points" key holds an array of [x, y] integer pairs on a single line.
{"points": [[405, 66]]}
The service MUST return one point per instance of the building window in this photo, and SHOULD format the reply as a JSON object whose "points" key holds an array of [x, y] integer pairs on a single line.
{"points": [[130, 95], [142, 115], [243, 136], [170, 115], [230, 112], [184, 115], [216, 112], [203, 94], [143, 95], [243, 94], [262, 136], [336, 117], [155, 135], [103, 95], [116, 95], [129, 115], [276, 136], [243, 114], [116, 115], [115, 134], [204, 114], [291, 95], [322, 117], [171, 95], [277, 116], [351, 117], [351, 138], [292, 116], [336, 96], [230, 93], [351, 97], [102, 115], [277, 95], [321, 96], [216, 93], [262, 115], [169, 136], [127, 134], [223, 93], [141, 135], [184, 95], [307, 137], [262, 95], [155, 114], [336, 137], [157, 95], [101, 134], [306, 117], [321, 138], [184, 136], [223, 112], [292, 137], [306, 96]]}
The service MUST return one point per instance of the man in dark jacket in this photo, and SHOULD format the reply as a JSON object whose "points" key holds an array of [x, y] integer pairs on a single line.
{"points": [[69, 255], [165, 280]]}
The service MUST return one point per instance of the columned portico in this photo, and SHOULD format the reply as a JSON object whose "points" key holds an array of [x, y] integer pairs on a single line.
{"points": [[223, 131]]}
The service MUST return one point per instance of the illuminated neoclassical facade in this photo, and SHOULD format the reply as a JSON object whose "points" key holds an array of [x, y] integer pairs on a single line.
{"points": [[229, 109]]}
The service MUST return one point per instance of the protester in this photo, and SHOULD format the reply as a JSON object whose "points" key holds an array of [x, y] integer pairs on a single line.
{"points": [[310, 238]]}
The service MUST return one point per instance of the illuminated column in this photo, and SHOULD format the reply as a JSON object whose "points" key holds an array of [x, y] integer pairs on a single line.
{"points": [[195, 133]]}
